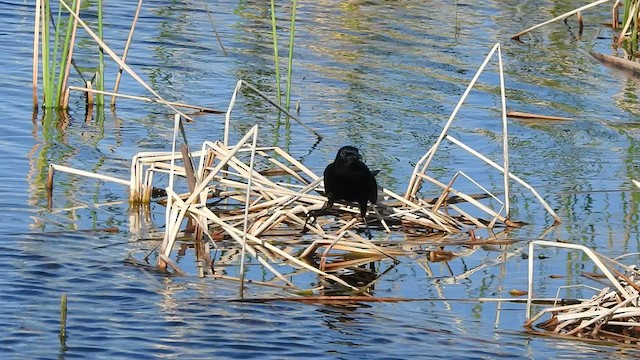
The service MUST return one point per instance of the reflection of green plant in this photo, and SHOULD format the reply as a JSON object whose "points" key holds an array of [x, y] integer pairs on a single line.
{"points": [[275, 52]]}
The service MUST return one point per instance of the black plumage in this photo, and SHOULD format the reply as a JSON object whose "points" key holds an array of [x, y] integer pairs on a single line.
{"points": [[348, 178]]}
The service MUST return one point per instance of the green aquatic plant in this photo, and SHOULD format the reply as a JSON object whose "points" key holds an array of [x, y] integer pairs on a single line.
{"points": [[629, 34], [274, 35], [57, 54], [55, 62], [100, 78]]}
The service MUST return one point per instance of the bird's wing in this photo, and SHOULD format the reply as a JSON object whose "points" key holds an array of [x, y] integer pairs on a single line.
{"points": [[373, 189], [329, 185]]}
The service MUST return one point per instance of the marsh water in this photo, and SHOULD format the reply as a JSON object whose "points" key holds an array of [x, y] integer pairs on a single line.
{"points": [[381, 75]]}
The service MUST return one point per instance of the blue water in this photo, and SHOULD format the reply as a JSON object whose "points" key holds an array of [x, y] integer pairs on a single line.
{"points": [[383, 76]]}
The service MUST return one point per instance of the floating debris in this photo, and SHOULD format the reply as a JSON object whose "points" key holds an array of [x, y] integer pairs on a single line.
{"points": [[610, 315], [257, 200]]}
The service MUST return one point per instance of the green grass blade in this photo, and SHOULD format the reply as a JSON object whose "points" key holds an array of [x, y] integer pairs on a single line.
{"points": [[47, 87], [64, 55], [100, 84], [54, 58]]}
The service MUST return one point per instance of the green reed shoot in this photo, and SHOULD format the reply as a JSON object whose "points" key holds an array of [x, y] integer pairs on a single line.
{"points": [[47, 87], [275, 52], [64, 57], [100, 84], [54, 60], [631, 9]]}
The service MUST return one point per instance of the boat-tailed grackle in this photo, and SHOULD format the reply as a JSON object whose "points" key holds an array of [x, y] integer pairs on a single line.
{"points": [[348, 178]]}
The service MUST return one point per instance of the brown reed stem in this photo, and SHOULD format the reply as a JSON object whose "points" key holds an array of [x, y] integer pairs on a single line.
{"points": [[126, 51], [146, 99], [213, 26]]}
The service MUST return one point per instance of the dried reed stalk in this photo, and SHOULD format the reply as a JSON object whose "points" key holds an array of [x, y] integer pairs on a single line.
{"points": [[213, 26], [251, 203], [560, 17], [126, 51], [523, 115], [242, 83], [609, 315], [245, 223], [54, 167], [146, 99]]}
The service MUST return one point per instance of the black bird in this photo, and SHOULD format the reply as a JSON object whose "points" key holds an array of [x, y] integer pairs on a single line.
{"points": [[348, 178]]}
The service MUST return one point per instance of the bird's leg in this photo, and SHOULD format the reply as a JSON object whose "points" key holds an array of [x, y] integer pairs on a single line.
{"points": [[310, 215], [314, 214], [363, 213]]}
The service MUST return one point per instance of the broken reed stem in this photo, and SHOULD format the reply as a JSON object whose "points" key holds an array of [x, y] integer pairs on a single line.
{"points": [[89, 174], [239, 85], [505, 136], [151, 100], [119, 61], [423, 163], [63, 320], [594, 256], [126, 51], [36, 41], [213, 26], [512, 176], [245, 224], [560, 17], [172, 265], [523, 115]]}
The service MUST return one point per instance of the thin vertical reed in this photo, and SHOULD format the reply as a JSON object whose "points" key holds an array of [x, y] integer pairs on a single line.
{"points": [[213, 26], [274, 34], [65, 61], [126, 51], [36, 40], [505, 133], [290, 68], [54, 57], [100, 84], [247, 203], [63, 320], [69, 54]]}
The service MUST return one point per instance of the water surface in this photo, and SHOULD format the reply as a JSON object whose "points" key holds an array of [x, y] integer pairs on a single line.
{"points": [[381, 75]]}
